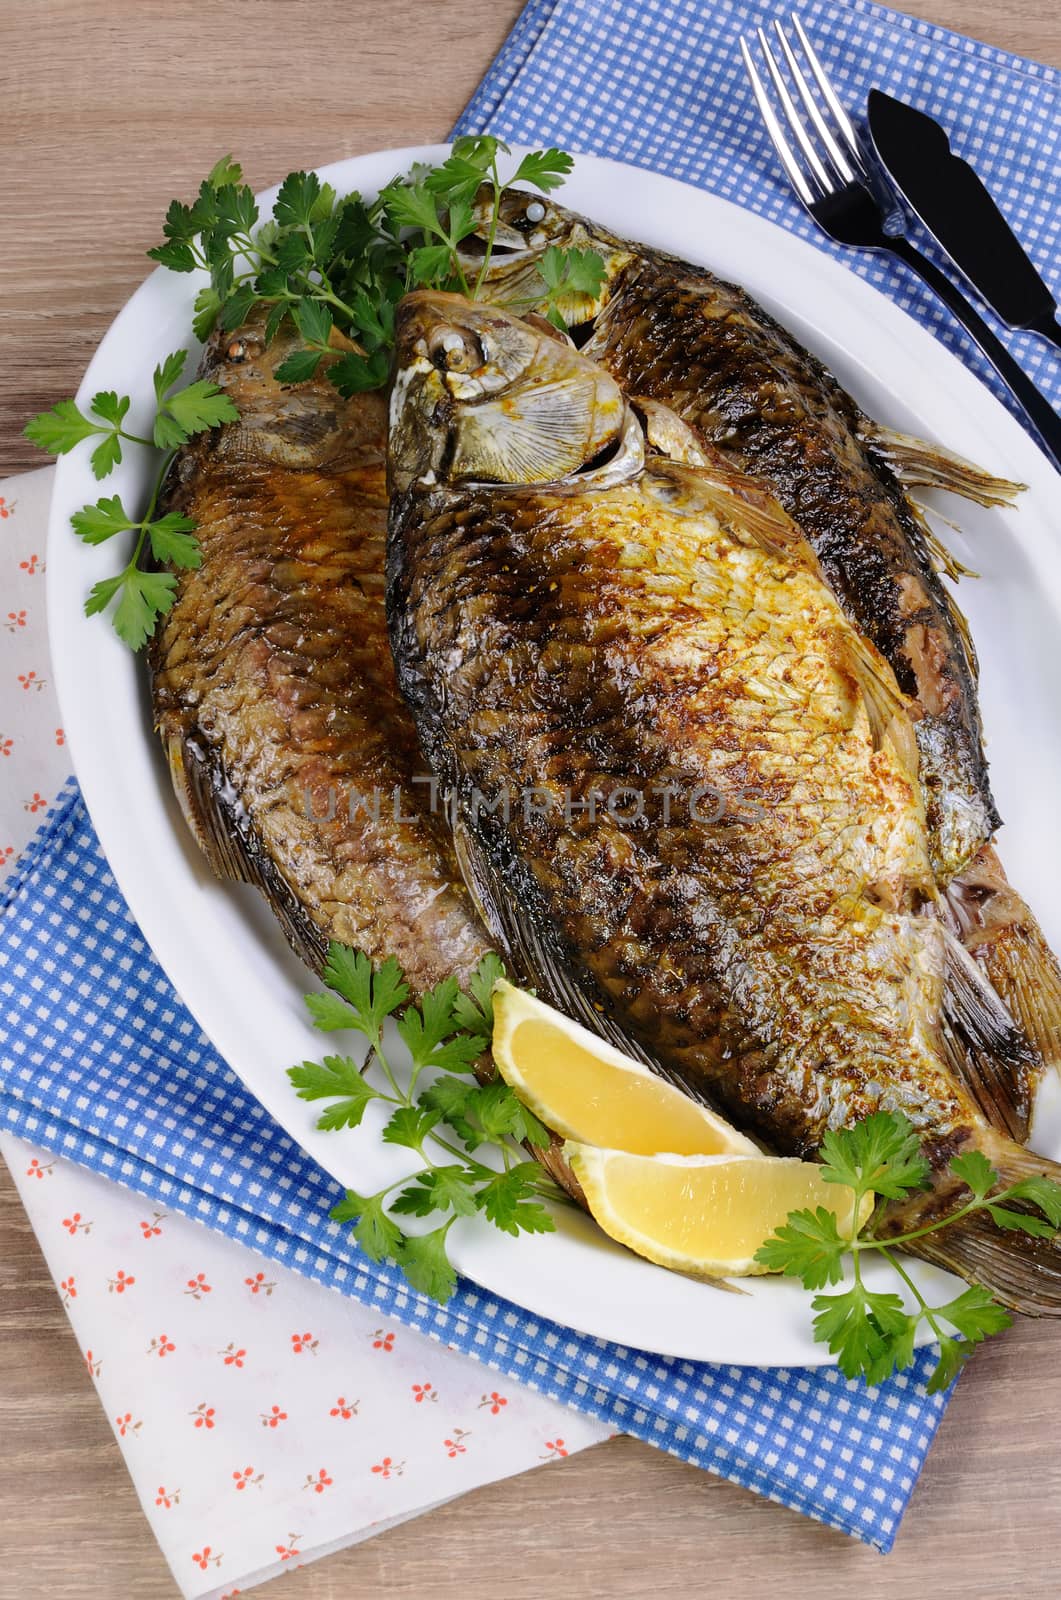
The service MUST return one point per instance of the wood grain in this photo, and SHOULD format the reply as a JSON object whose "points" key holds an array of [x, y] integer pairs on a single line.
{"points": [[85, 85]]}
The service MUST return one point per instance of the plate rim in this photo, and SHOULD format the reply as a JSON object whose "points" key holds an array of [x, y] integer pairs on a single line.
{"points": [[987, 420]]}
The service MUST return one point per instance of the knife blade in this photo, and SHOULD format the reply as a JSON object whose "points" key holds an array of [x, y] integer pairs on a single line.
{"points": [[959, 212]]}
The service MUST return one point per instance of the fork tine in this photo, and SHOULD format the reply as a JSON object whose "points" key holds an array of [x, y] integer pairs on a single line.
{"points": [[843, 121], [825, 133], [773, 128], [788, 107]]}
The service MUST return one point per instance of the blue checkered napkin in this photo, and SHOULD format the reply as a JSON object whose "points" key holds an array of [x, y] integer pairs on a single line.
{"points": [[660, 83], [101, 1063]]}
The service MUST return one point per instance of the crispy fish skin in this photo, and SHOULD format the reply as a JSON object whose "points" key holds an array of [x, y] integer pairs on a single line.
{"points": [[676, 334], [273, 685], [645, 627]]}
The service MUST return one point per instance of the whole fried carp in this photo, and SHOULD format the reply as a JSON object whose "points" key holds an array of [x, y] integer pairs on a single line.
{"points": [[293, 757], [686, 789], [675, 333]]}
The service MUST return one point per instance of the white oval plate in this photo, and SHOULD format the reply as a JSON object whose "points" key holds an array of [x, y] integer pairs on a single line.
{"points": [[218, 942]]}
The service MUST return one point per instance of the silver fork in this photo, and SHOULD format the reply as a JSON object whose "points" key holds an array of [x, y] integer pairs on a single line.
{"points": [[832, 173]]}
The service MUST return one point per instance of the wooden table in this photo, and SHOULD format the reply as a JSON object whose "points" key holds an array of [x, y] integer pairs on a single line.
{"points": [[86, 84]]}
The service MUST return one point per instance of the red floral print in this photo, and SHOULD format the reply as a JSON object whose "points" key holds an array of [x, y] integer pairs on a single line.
{"points": [[273, 1418], [554, 1447], [120, 1282], [494, 1400], [30, 566], [6, 853], [162, 1346], [303, 1341], [319, 1483], [37, 1169], [242, 1479], [389, 1468], [6, 746], [60, 736], [286, 1551], [93, 1363], [15, 619], [38, 803], [382, 1341], [204, 1415], [233, 1357], [126, 1425], [344, 1408], [152, 1229], [30, 680], [259, 1285], [74, 1224], [198, 1286], [205, 1557], [167, 1497], [68, 1289], [424, 1391], [456, 1445], [7, 509]]}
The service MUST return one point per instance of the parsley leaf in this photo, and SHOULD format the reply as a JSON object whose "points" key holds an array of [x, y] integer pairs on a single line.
{"points": [[545, 169], [423, 1259], [449, 1188], [200, 406], [410, 1126], [142, 598], [334, 1076], [882, 1154], [97, 523], [510, 1201], [808, 1246]]}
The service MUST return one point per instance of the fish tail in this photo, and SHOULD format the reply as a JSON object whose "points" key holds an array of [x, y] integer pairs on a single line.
{"points": [[1025, 974], [985, 1045], [917, 463], [1021, 1270], [1000, 930]]}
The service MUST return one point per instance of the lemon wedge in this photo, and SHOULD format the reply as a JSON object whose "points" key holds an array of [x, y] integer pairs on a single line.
{"points": [[586, 1090], [702, 1215]]}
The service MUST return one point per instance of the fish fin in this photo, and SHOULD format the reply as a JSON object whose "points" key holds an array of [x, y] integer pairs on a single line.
{"points": [[991, 1054], [747, 512], [1019, 1269], [531, 948], [1001, 931], [227, 837], [667, 433], [887, 708], [931, 466]]}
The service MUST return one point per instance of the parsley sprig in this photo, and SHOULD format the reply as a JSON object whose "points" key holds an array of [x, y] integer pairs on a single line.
{"points": [[444, 1037], [139, 597], [333, 268], [871, 1333]]}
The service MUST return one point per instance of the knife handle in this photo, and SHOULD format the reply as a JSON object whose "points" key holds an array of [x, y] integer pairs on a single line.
{"points": [[1036, 407]]}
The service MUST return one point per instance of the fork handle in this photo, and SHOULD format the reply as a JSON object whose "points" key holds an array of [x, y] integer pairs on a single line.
{"points": [[1042, 416]]}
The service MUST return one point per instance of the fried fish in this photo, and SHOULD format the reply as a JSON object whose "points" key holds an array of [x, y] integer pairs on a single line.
{"points": [[292, 754], [705, 349], [592, 639]]}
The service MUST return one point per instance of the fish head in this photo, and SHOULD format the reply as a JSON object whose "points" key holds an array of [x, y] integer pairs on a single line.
{"points": [[302, 426], [481, 396], [528, 225]]}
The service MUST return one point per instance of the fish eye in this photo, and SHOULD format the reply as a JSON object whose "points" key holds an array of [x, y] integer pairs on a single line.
{"points": [[535, 212], [453, 351]]}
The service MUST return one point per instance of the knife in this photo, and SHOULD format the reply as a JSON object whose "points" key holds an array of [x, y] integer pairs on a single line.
{"points": [[950, 200]]}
